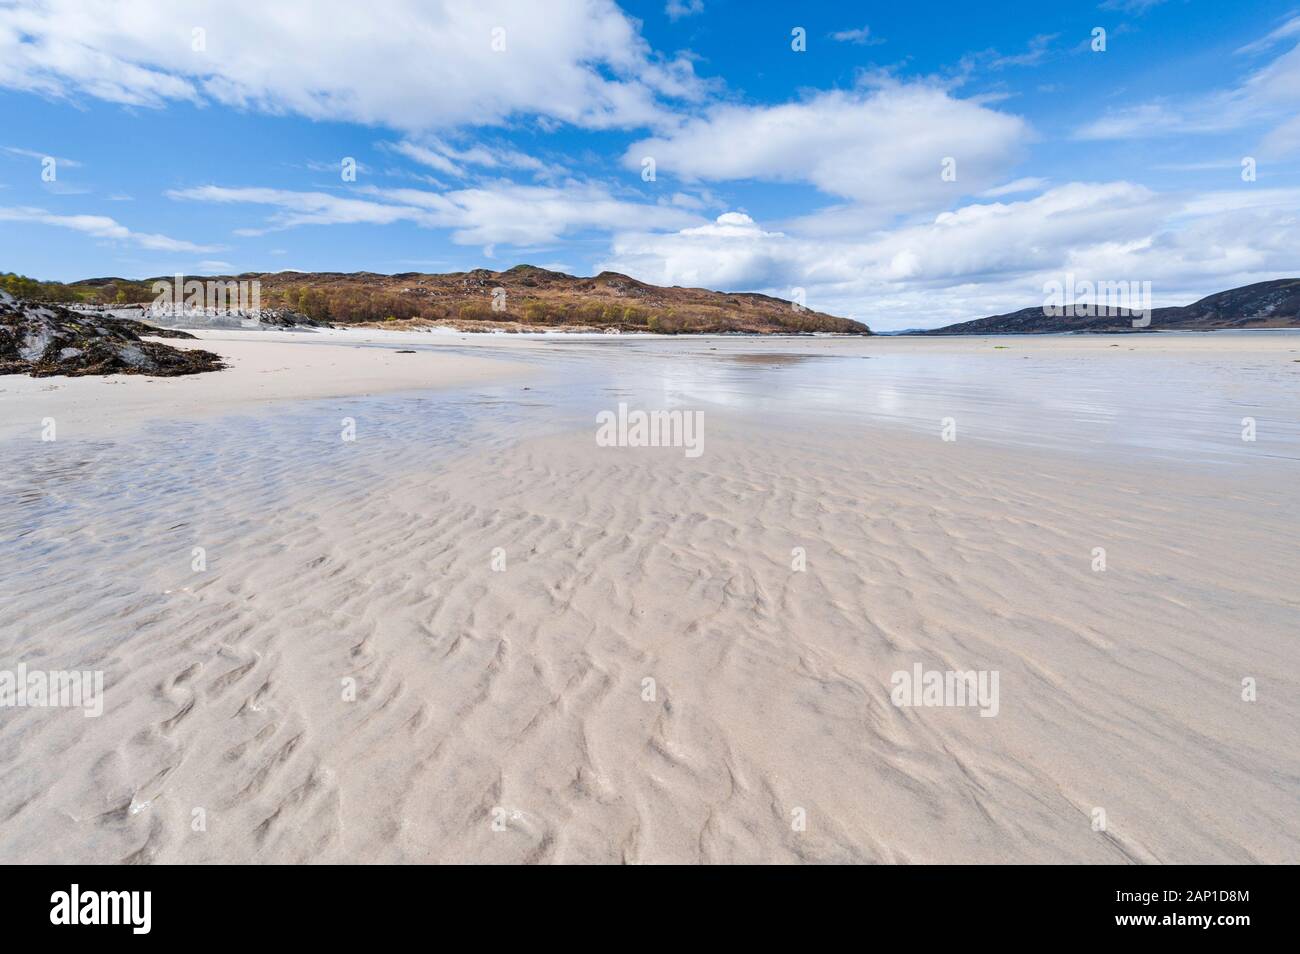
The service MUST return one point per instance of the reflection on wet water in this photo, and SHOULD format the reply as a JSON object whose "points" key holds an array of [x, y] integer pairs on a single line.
{"points": [[765, 360], [106, 498], [93, 503], [1171, 405], [1186, 406], [1179, 405]]}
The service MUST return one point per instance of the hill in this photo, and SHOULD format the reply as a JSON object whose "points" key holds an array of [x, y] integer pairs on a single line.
{"points": [[1274, 304], [524, 298]]}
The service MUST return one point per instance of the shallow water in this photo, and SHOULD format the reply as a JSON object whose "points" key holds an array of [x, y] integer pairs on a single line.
{"points": [[1181, 407], [1175, 406], [1178, 407]]}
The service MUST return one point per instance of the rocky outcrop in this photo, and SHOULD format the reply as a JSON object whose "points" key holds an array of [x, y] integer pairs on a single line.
{"points": [[286, 318], [43, 340], [144, 328], [146, 319]]}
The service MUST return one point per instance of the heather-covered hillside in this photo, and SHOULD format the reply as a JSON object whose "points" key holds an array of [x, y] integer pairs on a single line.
{"points": [[523, 298]]}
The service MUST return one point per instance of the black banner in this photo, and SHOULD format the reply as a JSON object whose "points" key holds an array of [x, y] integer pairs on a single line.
{"points": [[138, 905]]}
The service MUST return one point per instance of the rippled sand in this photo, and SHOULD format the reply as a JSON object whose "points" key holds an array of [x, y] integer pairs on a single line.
{"points": [[500, 589]]}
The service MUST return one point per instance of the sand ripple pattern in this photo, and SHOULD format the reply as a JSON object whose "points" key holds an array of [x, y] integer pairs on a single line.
{"points": [[500, 715]]}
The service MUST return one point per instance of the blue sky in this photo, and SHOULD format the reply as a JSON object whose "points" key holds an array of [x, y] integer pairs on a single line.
{"points": [[208, 137]]}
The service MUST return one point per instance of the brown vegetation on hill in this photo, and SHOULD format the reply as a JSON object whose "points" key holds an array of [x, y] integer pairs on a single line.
{"points": [[532, 299]]}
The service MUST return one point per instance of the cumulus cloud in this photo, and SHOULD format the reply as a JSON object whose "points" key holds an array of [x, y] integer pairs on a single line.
{"points": [[102, 227], [881, 148], [407, 64], [986, 257]]}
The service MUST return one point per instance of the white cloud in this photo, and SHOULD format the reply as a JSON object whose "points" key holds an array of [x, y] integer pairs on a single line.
{"points": [[860, 36], [335, 166], [1129, 6], [1269, 97], [101, 226], [1236, 200], [677, 9], [444, 158], [1015, 187], [988, 257], [408, 64], [505, 212], [732, 252], [1288, 29], [432, 158], [1039, 48], [513, 214], [301, 208], [34, 154], [881, 148], [974, 240], [1153, 119], [1283, 140]]}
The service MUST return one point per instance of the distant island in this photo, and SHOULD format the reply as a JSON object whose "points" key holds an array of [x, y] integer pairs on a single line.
{"points": [[522, 299], [1274, 304]]}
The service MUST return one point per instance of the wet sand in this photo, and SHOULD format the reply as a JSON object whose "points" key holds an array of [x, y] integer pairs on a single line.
{"points": [[432, 643], [263, 369]]}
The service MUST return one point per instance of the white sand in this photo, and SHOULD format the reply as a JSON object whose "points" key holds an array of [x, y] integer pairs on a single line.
{"points": [[262, 368], [518, 694]]}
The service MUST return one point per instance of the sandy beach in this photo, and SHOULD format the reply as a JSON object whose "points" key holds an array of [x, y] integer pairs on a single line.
{"points": [[262, 368], [462, 630]]}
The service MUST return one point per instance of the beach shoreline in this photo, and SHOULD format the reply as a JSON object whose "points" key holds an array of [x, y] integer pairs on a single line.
{"points": [[468, 632], [264, 370]]}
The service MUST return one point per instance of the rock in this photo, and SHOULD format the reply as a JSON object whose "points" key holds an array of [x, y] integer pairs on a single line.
{"points": [[144, 328], [43, 340], [166, 322], [284, 318]]}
